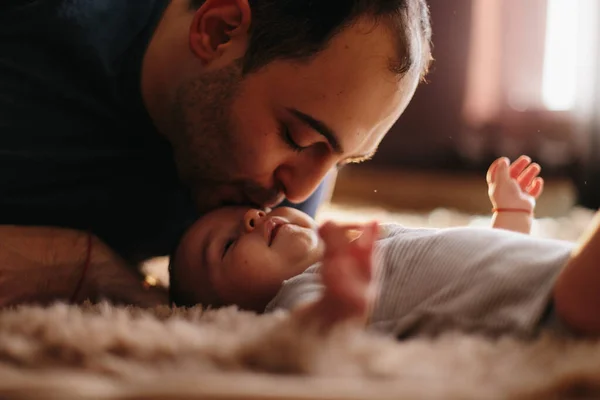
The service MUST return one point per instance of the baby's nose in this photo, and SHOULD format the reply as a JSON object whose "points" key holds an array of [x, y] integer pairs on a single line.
{"points": [[252, 218]]}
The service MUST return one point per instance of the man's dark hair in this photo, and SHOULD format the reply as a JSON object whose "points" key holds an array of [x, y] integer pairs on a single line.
{"points": [[299, 29]]}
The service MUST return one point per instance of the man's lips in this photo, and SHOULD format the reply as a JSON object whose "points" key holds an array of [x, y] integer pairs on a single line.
{"points": [[235, 195], [270, 202], [246, 201], [261, 197]]}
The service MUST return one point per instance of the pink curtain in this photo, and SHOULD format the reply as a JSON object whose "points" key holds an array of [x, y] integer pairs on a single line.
{"points": [[510, 76]]}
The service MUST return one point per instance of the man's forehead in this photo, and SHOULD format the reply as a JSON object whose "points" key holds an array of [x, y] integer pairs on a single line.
{"points": [[365, 111], [362, 131]]}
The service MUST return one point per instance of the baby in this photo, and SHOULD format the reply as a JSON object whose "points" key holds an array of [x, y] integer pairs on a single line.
{"points": [[397, 280]]}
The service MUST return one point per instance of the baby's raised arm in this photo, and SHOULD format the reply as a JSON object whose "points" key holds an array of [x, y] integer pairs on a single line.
{"points": [[343, 288], [513, 190]]}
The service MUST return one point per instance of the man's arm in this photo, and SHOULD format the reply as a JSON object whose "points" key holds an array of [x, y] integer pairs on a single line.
{"points": [[42, 265], [39, 265]]}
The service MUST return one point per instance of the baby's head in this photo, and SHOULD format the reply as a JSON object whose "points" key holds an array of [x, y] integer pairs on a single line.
{"points": [[240, 255]]}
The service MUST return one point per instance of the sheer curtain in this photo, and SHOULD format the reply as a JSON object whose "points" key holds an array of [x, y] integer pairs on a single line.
{"points": [[533, 80]]}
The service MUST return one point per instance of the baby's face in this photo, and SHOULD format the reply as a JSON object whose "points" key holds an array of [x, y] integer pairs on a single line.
{"points": [[242, 256]]}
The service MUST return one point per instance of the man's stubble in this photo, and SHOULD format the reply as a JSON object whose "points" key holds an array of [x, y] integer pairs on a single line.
{"points": [[209, 154]]}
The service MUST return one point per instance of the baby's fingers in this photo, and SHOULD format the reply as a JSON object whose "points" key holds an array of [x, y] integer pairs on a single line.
{"points": [[362, 250], [335, 238], [368, 237], [517, 167], [527, 177], [536, 188], [492, 170]]}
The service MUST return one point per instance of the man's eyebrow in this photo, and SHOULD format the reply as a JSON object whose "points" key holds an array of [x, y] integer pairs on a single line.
{"points": [[320, 127]]}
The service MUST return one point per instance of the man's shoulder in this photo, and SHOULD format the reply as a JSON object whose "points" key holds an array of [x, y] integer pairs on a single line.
{"points": [[70, 71], [93, 37], [77, 148], [79, 9], [81, 14]]}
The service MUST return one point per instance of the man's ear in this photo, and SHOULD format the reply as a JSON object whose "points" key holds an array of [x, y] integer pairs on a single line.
{"points": [[220, 26]]}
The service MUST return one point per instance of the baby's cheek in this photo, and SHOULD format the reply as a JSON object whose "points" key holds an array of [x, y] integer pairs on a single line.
{"points": [[249, 266], [305, 249]]}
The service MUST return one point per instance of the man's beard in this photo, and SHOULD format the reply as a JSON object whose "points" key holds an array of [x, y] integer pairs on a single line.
{"points": [[203, 137]]}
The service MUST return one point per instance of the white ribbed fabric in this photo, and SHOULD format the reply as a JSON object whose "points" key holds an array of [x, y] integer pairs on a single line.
{"points": [[473, 279]]}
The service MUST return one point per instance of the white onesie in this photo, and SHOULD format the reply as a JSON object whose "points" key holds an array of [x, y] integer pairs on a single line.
{"points": [[472, 279]]}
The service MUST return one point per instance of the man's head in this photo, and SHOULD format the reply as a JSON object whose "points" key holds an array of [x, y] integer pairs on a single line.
{"points": [[261, 98], [240, 255]]}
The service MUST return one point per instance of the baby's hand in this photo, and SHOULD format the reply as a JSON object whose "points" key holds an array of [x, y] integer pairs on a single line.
{"points": [[514, 186], [347, 273]]}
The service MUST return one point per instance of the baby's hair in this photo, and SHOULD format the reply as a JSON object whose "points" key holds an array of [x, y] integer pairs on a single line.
{"points": [[176, 297], [179, 297]]}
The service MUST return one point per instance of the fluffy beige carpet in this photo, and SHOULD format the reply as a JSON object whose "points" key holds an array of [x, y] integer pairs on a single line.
{"points": [[107, 353], [102, 352]]}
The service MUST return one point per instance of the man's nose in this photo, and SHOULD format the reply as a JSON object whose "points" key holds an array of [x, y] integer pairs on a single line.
{"points": [[252, 218], [299, 182]]}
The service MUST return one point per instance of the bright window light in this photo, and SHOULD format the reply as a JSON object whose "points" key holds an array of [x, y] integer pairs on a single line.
{"points": [[559, 89]]}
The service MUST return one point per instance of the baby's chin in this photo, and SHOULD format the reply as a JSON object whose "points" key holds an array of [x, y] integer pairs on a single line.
{"points": [[304, 249]]}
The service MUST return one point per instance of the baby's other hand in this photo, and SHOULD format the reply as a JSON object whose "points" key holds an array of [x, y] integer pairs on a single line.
{"points": [[347, 273], [514, 186]]}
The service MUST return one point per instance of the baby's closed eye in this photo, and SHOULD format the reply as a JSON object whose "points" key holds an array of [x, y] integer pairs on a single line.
{"points": [[227, 246]]}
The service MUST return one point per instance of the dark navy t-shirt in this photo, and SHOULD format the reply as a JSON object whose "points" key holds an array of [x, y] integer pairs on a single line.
{"points": [[77, 148]]}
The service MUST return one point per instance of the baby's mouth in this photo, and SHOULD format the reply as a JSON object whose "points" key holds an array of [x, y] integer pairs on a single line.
{"points": [[274, 233]]}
